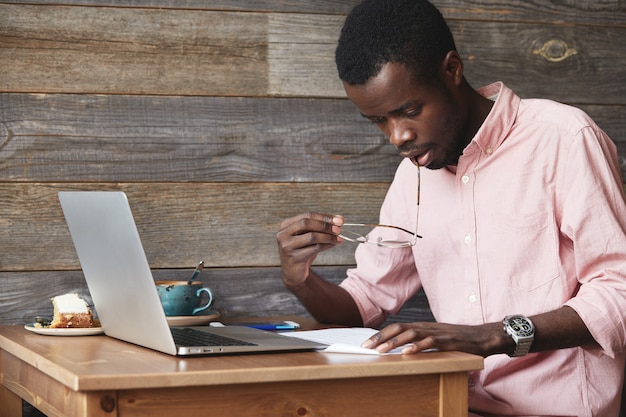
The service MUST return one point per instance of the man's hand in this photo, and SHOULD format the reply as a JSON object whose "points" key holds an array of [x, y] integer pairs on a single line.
{"points": [[558, 329], [300, 239], [483, 340]]}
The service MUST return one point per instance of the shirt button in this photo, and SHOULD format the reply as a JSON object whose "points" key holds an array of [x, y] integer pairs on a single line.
{"points": [[465, 179], [468, 239], [472, 298], [489, 150]]}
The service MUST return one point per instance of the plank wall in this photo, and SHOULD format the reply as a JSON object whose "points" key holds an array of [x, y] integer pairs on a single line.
{"points": [[221, 118]]}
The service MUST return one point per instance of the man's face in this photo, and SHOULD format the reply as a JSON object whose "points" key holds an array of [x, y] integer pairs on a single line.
{"points": [[425, 123]]}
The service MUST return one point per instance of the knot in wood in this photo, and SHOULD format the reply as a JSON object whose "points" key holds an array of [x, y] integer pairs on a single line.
{"points": [[107, 403], [555, 50]]}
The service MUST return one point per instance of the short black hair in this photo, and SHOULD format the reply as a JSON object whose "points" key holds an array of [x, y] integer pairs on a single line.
{"points": [[409, 32]]}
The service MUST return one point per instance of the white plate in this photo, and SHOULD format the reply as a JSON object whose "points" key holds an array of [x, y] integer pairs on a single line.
{"points": [[48, 331], [199, 320]]}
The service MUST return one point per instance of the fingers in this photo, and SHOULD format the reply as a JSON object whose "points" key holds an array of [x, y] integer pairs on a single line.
{"points": [[301, 238], [312, 222], [408, 336], [310, 229], [395, 336]]}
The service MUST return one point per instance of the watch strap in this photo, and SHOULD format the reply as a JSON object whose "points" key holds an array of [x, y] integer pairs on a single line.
{"points": [[522, 348]]}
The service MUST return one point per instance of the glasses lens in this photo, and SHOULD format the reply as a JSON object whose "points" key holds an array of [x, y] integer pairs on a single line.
{"points": [[360, 233], [353, 236]]}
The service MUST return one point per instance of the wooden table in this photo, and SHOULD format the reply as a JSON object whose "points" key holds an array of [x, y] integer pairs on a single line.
{"points": [[97, 376]]}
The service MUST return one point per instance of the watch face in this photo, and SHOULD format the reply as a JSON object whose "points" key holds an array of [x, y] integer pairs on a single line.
{"points": [[521, 326]]}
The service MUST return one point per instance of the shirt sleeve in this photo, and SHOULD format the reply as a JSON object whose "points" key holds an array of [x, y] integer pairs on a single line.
{"points": [[594, 219]]}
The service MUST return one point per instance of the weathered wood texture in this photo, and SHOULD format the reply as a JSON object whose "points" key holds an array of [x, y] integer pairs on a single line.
{"points": [[190, 52], [220, 118], [264, 295], [225, 224], [64, 137], [61, 137], [604, 12]]}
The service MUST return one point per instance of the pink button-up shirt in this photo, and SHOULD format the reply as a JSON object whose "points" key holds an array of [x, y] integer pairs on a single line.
{"points": [[531, 219]]}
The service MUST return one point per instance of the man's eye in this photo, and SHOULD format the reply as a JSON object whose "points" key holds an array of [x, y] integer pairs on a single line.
{"points": [[377, 120], [414, 112]]}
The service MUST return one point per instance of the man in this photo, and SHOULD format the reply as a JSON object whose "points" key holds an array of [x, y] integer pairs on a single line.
{"points": [[522, 213]]}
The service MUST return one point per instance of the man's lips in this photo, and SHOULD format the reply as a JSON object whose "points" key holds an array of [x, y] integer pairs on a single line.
{"points": [[421, 158], [424, 159]]}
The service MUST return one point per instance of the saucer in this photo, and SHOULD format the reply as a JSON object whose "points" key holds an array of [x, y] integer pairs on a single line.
{"points": [[203, 318], [49, 331]]}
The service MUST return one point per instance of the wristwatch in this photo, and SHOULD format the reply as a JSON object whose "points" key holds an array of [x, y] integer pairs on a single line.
{"points": [[522, 330]]}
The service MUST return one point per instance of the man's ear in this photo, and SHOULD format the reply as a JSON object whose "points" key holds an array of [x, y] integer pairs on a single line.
{"points": [[452, 68]]}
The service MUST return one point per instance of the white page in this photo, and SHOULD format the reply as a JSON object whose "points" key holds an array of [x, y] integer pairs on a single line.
{"points": [[342, 340]]}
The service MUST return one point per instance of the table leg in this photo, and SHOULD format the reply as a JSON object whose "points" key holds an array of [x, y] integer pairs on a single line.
{"points": [[47, 394], [10, 403], [453, 394]]}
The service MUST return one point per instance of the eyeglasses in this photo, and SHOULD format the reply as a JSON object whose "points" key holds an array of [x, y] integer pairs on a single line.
{"points": [[355, 232]]}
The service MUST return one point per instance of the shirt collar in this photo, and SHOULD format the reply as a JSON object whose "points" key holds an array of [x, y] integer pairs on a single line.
{"points": [[500, 119]]}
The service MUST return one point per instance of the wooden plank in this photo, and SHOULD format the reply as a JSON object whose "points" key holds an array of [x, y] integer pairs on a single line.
{"points": [[65, 137], [536, 60], [113, 50], [334, 397], [549, 61], [585, 12], [86, 49], [593, 12], [296, 6], [239, 292], [225, 224], [301, 55]]}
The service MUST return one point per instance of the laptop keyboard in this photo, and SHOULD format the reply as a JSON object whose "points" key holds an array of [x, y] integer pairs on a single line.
{"points": [[185, 336]]}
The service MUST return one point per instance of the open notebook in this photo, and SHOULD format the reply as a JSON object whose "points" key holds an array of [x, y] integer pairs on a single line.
{"points": [[343, 340]]}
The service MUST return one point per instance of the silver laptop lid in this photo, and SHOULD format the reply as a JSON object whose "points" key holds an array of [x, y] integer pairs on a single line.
{"points": [[116, 269], [122, 286]]}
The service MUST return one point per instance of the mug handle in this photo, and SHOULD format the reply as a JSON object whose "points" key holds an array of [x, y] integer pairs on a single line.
{"points": [[204, 307]]}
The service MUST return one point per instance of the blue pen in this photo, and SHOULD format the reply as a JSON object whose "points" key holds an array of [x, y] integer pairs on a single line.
{"points": [[285, 325]]}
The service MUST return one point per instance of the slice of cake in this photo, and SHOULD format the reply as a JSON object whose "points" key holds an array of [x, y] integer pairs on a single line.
{"points": [[71, 311]]}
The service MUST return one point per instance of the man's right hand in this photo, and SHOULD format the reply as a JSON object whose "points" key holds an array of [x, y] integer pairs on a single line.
{"points": [[300, 239]]}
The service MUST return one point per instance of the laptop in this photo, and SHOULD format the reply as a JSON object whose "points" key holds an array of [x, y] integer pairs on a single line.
{"points": [[123, 289]]}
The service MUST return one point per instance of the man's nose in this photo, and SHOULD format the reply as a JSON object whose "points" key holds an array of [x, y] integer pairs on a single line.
{"points": [[399, 133]]}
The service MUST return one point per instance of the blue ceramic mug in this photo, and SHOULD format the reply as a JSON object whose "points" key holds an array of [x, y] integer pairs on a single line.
{"points": [[182, 299]]}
